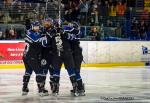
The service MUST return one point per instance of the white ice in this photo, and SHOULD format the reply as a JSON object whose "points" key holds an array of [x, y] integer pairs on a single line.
{"points": [[103, 85]]}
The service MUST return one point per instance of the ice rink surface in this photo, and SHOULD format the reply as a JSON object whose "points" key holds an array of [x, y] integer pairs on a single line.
{"points": [[104, 85]]}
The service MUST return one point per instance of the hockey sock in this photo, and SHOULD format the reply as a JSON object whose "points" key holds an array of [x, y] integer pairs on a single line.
{"points": [[51, 76], [39, 80], [26, 79], [56, 75], [72, 75], [79, 81], [44, 79], [78, 76], [80, 84], [71, 72]]}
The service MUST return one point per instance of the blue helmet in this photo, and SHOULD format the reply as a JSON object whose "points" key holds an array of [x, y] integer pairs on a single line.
{"points": [[35, 23], [50, 20]]}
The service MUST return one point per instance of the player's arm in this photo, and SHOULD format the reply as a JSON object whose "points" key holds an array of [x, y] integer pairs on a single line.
{"points": [[72, 34]]}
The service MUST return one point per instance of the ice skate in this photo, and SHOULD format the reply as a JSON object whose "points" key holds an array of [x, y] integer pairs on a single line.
{"points": [[25, 91], [78, 92], [51, 85], [42, 90], [55, 89]]}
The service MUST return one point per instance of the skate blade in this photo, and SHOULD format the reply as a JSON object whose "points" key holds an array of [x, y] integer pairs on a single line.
{"points": [[24, 93], [81, 94], [55, 94], [76, 94], [43, 94]]}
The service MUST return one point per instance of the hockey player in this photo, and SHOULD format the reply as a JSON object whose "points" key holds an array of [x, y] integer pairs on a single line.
{"points": [[72, 32], [31, 59], [62, 54], [46, 62]]}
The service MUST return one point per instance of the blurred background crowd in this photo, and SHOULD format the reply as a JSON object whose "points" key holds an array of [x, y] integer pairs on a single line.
{"points": [[99, 19]]}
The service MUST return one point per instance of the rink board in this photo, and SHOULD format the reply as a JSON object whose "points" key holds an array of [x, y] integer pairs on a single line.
{"points": [[99, 66], [95, 53]]}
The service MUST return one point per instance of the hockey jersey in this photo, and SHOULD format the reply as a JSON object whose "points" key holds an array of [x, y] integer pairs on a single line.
{"points": [[71, 33], [34, 43]]}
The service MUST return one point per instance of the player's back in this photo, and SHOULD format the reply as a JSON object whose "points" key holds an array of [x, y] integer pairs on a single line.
{"points": [[73, 35]]}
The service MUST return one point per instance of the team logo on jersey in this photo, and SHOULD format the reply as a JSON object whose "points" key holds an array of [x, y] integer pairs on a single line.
{"points": [[43, 62]]}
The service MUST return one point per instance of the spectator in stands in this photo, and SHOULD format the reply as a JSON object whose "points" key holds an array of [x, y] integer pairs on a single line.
{"points": [[101, 14], [20, 33], [110, 3], [27, 23], [7, 36], [12, 34], [1, 16], [17, 8], [131, 3], [75, 14], [148, 33], [105, 9], [112, 13], [100, 7], [42, 13], [65, 2], [1, 35], [134, 29], [84, 6], [112, 7], [1, 4], [142, 30], [145, 15], [74, 5], [120, 8], [8, 3], [94, 16], [95, 33]]}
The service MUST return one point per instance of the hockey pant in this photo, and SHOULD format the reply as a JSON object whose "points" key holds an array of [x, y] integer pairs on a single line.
{"points": [[46, 64]]}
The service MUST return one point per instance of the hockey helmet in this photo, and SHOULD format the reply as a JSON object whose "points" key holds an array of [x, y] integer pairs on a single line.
{"points": [[35, 25], [48, 22]]}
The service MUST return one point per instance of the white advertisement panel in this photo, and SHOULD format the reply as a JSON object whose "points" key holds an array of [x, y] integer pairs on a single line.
{"points": [[115, 51]]}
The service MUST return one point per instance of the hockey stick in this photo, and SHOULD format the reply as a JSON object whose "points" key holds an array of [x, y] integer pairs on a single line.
{"points": [[59, 14], [58, 39]]}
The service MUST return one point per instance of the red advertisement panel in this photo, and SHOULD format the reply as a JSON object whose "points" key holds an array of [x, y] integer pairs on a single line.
{"points": [[11, 53]]}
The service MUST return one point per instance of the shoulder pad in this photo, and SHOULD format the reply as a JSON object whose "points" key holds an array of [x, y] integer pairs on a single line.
{"points": [[33, 36], [68, 28]]}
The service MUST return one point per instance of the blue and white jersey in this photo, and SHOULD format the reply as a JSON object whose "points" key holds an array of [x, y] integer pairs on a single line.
{"points": [[71, 32], [33, 37], [68, 28]]}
